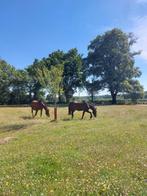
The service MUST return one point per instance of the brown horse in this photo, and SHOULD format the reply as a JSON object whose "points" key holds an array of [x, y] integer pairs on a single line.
{"points": [[85, 107], [39, 105]]}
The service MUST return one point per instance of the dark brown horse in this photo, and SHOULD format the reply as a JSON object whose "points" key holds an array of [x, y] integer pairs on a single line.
{"points": [[39, 105], [85, 107]]}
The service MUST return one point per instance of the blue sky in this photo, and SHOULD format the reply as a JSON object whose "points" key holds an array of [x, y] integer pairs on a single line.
{"points": [[34, 28]]}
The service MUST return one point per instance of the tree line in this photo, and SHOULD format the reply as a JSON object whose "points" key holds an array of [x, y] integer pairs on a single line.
{"points": [[109, 64]]}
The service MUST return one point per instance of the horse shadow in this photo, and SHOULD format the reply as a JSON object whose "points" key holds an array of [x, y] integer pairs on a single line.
{"points": [[66, 119], [26, 117]]}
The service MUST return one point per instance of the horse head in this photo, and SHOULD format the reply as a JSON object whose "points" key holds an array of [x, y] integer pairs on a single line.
{"points": [[94, 110], [47, 112]]}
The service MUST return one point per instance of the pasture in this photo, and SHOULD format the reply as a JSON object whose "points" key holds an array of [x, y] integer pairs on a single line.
{"points": [[102, 156]]}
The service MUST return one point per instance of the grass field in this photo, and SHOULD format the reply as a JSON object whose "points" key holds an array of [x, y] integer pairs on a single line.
{"points": [[102, 156]]}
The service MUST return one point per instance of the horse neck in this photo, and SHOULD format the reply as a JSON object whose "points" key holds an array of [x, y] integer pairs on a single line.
{"points": [[44, 106], [91, 107]]}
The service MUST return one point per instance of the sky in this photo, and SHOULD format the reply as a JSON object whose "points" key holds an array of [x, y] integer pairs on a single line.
{"points": [[32, 29]]}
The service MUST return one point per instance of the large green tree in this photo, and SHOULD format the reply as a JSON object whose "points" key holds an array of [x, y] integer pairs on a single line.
{"points": [[34, 82], [72, 74], [6, 77], [51, 80], [112, 60], [135, 91], [56, 59], [90, 81], [92, 86], [20, 88]]}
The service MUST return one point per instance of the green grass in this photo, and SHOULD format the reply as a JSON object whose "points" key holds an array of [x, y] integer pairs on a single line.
{"points": [[102, 156]]}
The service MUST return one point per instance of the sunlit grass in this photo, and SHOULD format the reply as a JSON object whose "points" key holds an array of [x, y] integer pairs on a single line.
{"points": [[102, 156]]}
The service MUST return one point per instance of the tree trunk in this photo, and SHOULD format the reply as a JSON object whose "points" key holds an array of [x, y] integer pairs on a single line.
{"points": [[59, 99], [55, 110], [92, 97], [30, 95], [55, 113], [59, 96], [67, 97], [113, 95]]}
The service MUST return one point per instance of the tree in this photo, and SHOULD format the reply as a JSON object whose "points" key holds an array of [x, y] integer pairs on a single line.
{"points": [[91, 82], [34, 81], [56, 58], [92, 87], [111, 58], [6, 76], [19, 88], [145, 95], [72, 74], [135, 91], [51, 80]]}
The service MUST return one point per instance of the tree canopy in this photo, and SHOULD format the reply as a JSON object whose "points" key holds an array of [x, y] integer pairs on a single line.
{"points": [[72, 74], [7, 74], [112, 61]]}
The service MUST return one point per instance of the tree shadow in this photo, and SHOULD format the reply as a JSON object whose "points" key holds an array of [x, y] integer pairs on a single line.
{"points": [[9, 128]]}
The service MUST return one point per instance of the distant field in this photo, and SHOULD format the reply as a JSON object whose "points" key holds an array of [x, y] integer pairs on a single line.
{"points": [[102, 156]]}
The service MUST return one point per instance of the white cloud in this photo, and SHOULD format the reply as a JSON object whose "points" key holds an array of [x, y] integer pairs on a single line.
{"points": [[141, 1], [140, 30]]}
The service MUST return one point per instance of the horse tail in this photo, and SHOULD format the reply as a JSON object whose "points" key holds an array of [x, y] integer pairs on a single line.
{"points": [[69, 112]]}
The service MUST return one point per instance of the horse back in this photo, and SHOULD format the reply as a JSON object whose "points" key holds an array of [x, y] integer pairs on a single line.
{"points": [[36, 105], [78, 106]]}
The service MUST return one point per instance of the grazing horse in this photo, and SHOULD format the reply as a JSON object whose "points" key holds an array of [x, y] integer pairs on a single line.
{"points": [[85, 107], [39, 105]]}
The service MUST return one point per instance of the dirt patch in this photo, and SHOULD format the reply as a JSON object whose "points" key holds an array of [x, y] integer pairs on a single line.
{"points": [[6, 140]]}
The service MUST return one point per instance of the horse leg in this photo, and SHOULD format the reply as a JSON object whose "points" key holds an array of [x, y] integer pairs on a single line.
{"points": [[83, 114], [32, 113], [36, 113], [89, 113], [72, 114], [40, 112]]}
